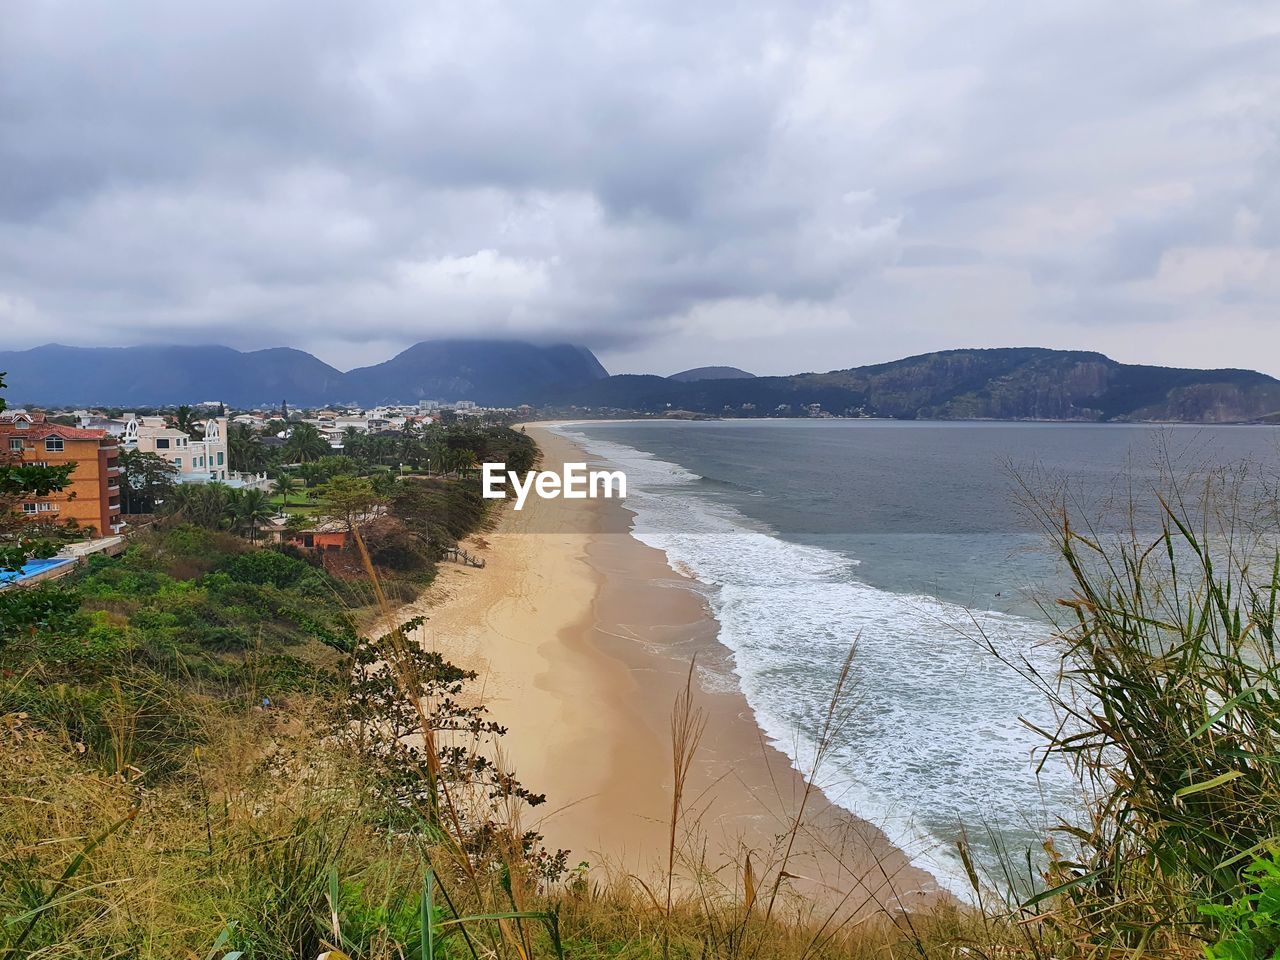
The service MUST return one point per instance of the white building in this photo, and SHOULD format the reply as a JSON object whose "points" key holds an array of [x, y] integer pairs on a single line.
{"points": [[197, 460]]}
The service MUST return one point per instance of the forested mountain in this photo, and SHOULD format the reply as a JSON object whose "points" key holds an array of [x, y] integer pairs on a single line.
{"points": [[488, 372], [711, 373], [1007, 383]]}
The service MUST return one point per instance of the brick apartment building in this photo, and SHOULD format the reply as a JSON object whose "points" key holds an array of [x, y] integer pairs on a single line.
{"points": [[92, 497]]}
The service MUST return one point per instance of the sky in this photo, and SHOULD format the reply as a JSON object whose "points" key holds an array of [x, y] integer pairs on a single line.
{"points": [[781, 186]]}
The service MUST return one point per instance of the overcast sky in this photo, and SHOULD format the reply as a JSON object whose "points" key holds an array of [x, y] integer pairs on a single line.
{"points": [[781, 186]]}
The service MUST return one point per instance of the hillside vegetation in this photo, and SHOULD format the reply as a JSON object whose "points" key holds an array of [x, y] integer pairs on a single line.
{"points": [[1005, 384]]}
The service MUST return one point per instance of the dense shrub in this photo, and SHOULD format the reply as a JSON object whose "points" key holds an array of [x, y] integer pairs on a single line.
{"points": [[35, 608], [437, 512], [266, 566]]}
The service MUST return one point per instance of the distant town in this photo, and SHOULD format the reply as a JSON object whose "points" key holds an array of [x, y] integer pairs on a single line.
{"points": [[135, 464]]}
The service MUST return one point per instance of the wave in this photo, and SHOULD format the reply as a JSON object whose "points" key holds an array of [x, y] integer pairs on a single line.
{"points": [[934, 744]]}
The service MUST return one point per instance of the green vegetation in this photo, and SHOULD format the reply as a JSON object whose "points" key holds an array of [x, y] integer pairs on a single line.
{"points": [[202, 753], [147, 481], [1169, 710], [1005, 383]]}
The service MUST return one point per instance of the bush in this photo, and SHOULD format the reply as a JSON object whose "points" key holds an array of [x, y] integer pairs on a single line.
{"points": [[265, 566], [35, 608], [99, 647], [1249, 925]]}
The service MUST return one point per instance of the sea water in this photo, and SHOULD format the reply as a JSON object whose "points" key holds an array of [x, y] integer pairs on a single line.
{"points": [[913, 544]]}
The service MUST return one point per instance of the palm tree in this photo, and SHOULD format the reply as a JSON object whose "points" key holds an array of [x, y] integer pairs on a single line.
{"points": [[353, 443], [438, 459], [410, 449], [383, 482], [311, 473], [187, 422], [381, 448], [244, 450], [204, 504], [305, 443], [250, 508], [464, 460], [246, 510], [282, 486]]}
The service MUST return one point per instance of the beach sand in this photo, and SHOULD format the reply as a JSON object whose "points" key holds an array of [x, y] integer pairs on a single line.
{"points": [[582, 637]]}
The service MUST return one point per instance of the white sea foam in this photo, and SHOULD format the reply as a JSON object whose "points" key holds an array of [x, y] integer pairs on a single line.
{"points": [[934, 743]]}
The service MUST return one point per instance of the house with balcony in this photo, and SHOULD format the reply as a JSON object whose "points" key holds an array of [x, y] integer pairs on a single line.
{"points": [[197, 459], [91, 498]]}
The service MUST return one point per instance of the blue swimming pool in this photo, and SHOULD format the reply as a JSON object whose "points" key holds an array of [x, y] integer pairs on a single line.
{"points": [[33, 568]]}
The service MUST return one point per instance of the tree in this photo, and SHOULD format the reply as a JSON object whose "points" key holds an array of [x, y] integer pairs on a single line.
{"points": [[246, 509], [464, 460], [186, 422], [148, 479], [244, 450], [305, 444], [379, 449], [311, 473], [354, 444], [410, 449], [283, 485], [203, 504], [349, 500], [383, 482], [18, 482]]}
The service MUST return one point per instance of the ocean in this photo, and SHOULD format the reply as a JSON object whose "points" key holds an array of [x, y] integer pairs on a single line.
{"points": [[912, 541]]}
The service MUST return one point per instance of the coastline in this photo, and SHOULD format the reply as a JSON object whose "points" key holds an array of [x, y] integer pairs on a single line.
{"points": [[582, 637]]}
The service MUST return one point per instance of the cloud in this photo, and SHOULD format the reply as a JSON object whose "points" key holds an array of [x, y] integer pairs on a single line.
{"points": [[774, 185]]}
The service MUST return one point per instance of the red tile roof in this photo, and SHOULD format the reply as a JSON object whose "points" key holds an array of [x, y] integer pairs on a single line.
{"points": [[66, 433]]}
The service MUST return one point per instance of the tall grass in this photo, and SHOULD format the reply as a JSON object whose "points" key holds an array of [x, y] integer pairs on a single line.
{"points": [[1169, 711]]}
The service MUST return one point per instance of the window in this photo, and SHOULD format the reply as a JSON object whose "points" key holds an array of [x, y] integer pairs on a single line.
{"points": [[15, 444], [219, 458], [177, 462], [162, 443], [53, 444], [29, 508]]}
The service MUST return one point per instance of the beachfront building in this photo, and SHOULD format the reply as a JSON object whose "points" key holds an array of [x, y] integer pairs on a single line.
{"points": [[197, 459], [92, 497]]}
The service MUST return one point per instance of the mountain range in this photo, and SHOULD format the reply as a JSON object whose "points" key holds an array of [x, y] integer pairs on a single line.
{"points": [[497, 373], [1005, 383], [1012, 383]]}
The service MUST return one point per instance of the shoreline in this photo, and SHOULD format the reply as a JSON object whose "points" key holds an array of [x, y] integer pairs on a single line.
{"points": [[582, 637]]}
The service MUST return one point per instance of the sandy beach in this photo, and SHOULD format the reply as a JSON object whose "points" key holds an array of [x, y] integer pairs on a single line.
{"points": [[582, 637]]}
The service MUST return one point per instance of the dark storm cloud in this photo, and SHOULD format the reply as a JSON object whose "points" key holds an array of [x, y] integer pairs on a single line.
{"points": [[776, 185]]}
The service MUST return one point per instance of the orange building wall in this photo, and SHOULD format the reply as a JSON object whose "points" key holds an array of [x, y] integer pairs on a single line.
{"points": [[92, 498]]}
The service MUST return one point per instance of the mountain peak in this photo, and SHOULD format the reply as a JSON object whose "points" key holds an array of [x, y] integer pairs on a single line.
{"points": [[711, 373]]}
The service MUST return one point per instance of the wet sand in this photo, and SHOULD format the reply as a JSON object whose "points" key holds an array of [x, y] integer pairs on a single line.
{"points": [[583, 637]]}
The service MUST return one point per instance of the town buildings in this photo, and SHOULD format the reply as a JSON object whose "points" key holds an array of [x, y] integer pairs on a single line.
{"points": [[91, 500]]}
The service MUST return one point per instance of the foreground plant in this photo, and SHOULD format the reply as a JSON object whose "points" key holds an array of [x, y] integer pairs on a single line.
{"points": [[1169, 711]]}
